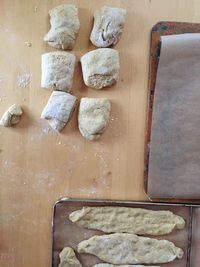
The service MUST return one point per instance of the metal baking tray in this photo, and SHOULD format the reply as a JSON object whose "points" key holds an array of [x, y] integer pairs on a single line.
{"points": [[160, 29], [65, 233]]}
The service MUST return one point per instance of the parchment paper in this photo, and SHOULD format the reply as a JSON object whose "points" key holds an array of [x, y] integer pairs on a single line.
{"points": [[174, 162]]}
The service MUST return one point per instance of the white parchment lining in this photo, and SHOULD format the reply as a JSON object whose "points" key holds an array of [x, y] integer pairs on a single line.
{"points": [[174, 163]]}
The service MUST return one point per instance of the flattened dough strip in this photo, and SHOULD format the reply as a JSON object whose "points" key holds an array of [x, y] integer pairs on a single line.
{"points": [[125, 249], [127, 220]]}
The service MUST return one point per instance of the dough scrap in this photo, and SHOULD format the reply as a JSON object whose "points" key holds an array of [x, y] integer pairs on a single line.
{"points": [[64, 27], [100, 67], [130, 249], [59, 109], [93, 117], [111, 265], [127, 220], [68, 258], [12, 116], [108, 26], [58, 70]]}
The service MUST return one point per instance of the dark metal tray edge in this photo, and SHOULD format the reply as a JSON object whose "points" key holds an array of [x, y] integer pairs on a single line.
{"points": [[65, 199]]}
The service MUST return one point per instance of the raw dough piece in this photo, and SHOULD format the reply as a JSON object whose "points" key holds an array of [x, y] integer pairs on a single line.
{"points": [[68, 258], [108, 26], [93, 117], [111, 265], [130, 249], [58, 70], [59, 109], [64, 27], [100, 67], [127, 220], [12, 116]]}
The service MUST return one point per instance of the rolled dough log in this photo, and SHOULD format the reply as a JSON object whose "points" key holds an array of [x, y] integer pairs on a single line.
{"points": [[58, 70], [127, 220], [100, 67], [130, 249], [12, 116], [111, 265], [93, 117], [68, 258], [108, 26], [64, 27], [59, 109]]}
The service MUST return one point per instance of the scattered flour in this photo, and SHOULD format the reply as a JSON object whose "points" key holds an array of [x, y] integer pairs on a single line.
{"points": [[35, 9], [46, 130], [114, 124], [28, 44], [85, 192], [59, 143], [23, 78], [1, 78], [43, 180]]}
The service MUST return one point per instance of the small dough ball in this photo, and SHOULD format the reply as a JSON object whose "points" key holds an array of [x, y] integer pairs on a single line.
{"points": [[59, 109], [64, 27], [93, 117], [12, 116], [100, 67], [58, 70], [108, 26], [68, 258]]}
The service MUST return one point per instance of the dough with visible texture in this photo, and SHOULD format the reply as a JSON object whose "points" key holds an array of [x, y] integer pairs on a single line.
{"points": [[93, 117], [127, 220], [59, 109], [108, 26], [111, 265], [12, 116], [68, 258], [64, 27], [130, 249], [58, 70], [100, 67]]}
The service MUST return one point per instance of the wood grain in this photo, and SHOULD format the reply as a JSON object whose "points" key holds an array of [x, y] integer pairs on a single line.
{"points": [[37, 165]]}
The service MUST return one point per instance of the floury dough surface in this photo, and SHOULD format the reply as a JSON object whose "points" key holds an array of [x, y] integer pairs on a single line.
{"points": [[111, 265], [68, 258], [108, 26], [130, 249], [59, 109], [93, 117], [58, 70], [127, 220], [12, 116], [64, 27], [100, 67]]}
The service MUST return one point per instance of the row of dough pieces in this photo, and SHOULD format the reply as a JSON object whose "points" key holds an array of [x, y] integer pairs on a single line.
{"points": [[100, 67], [125, 246], [107, 29], [92, 118]]}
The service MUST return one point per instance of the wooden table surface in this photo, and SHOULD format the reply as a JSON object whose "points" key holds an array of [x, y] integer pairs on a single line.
{"points": [[39, 166]]}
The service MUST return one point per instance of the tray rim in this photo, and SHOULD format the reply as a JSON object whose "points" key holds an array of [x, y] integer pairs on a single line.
{"points": [[113, 201]]}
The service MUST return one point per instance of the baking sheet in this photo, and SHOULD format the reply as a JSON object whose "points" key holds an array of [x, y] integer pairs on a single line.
{"points": [[195, 245], [65, 233], [172, 147]]}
